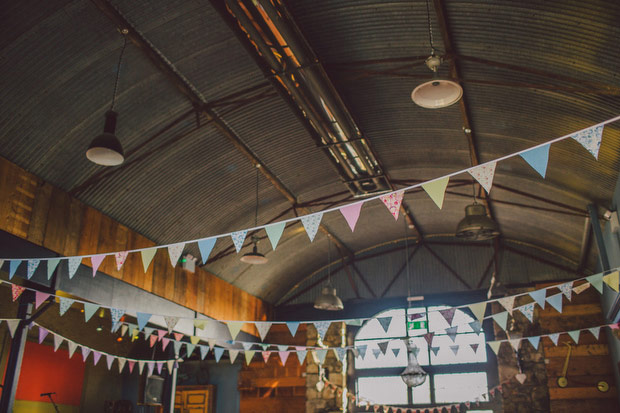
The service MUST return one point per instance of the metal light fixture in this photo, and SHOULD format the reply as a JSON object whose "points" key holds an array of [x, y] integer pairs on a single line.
{"points": [[328, 300], [413, 375], [106, 149], [255, 257], [438, 92], [477, 225]]}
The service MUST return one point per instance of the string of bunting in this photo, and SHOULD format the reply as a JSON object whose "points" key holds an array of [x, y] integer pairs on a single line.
{"points": [[610, 278], [86, 351], [537, 157]]}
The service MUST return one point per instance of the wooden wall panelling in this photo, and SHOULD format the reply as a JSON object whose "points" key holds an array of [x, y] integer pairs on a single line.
{"points": [[38, 219], [74, 228], [57, 221], [180, 286]]}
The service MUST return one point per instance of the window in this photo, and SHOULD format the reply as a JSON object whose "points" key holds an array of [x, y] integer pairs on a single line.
{"points": [[452, 378]]}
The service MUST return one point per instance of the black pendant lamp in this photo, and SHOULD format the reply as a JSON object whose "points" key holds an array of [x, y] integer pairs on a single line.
{"points": [[255, 257], [106, 149]]}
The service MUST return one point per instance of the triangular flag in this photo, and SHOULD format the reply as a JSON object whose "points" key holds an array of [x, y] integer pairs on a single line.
{"points": [[321, 353], [595, 331], [581, 288], [200, 324], [150, 366], [204, 350], [131, 363], [12, 324], [234, 327], [206, 246], [247, 346], [575, 335], [311, 224], [292, 327], [171, 322], [284, 356], [508, 303], [178, 336], [189, 349], [124, 329], [85, 353], [538, 158], [72, 348], [175, 251], [263, 329], [16, 291], [194, 339], [436, 190], [393, 201], [160, 366], [528, 311], [448, 314], [484, 174], [590, 139], [474, 347], [301, 354], [65, 304], [264, 346], [455, 349], [115, 315], [274, 233], [121, 363], [140, 366], [567, 290], [152, 340], [96, 261], [396, 351], [361, 350], [39, 298], [451, 332], [13, 265], [109, 360], [177, 347], [74, 264], [238, 238], [385, 322], [164, 343], [42, 334], [341, 353], [321, 328], [476, 325], [556, 301], [161, 334], [32, 267], [534, 341], [514, 342], [494, 346], [170, 364], [376, 352], [539, 297], [120, 258], [612, 280], [554, 337], [351, 213], [429, 338], [383, 346], [217, 352], [354, 322], [52, 263], [265, 355], [478, 309], [57, 341], [147, 257], [501, 319], [249, 354], [435, 350], [596, 281], [143, 318]]}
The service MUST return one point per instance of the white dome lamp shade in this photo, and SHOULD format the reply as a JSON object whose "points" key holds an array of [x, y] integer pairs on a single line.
{"points": [[436, 93], [106, 149], [254, 257]]}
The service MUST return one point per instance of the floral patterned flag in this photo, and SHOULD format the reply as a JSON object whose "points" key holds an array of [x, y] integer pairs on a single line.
{"points": [[175, 251], [238, 238], [590, 139], [16, 291], [120, 258], [392, 201], [32, 267], [311, 224], [484, 174]]}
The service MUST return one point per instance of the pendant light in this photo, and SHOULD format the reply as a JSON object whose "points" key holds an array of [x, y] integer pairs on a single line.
{"points": [[106, 149], [437, 92], [328, 300], [255, 257], [477, 225]]}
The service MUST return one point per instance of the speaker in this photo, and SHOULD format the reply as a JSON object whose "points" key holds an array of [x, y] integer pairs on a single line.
{"points": [[151, 390]]}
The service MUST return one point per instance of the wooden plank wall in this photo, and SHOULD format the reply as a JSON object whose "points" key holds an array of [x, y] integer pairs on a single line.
{"points": [[45, 215], [589, 362]]}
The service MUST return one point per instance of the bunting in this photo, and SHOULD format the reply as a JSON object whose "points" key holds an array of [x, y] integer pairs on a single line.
{"points": [[142, 318], [120, 258], [590, 139], [534, 341], [292, 327], [595, 331], [39, 298], [351, 213], [13, 266], [147, 257], [321, 353], [554, 337], [301, 354], [263, 329], [115, 315], [274, 233], [217, 352], [283, 356], [538, 158], [575, 335], [204, 350], [42, 334], [596, 281], [508, 303], [238, 238], [539, 297], [234, 327], [393, 201], [556, 301], [233, 355], [52, 263], [385, 323], [484, 174], [74, 264], [16, 291], [65, 304], [265, 355], [436, 190], [96, 261], [249, 354], [321, 328], [174, 252], [528, 311], [311, 224], [501, 319], [581, 288], [567, 290], [448, 315], [57, 341], [171, 322], [32, 267], [612, 280], [206, 246], [12, 324]]}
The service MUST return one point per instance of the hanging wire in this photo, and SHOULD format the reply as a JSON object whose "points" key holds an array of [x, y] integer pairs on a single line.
{"points": [[329, 261], [256, 208], [118, 71], [407, 263], [473, 185], [430, 27]]}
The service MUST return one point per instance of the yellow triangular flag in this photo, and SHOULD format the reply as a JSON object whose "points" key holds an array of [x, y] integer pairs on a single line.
{"points": [[437, 189], [612, 280], [494, 345], [194, 340], [478, 309], [147, 257], [248, 356], [234, 327], [200, 324]]}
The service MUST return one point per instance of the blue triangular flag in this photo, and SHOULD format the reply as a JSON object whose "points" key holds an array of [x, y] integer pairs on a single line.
{"points": [[189, 348], [534, 341], [556, 301], [322, 327], [143, 318], [539, 297], [274, 232], [74, 264], [320, 354], [218, 351], [177, 347], [596, 281], [292, 327], [52, 263], [65, 303], [554, 337], [206, 246], [13, 265], [32, 267], [115, 315], [89, 310], [385, 322], [538, 158], [238, 238]]}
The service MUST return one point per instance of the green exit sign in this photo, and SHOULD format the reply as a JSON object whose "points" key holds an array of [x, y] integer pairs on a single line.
{"points": [[417, 325]]}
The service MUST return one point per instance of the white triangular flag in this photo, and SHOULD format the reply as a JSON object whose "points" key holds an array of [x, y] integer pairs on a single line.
{"points": [[263, 329], [175, 251], [311, 224], [484, 174]]}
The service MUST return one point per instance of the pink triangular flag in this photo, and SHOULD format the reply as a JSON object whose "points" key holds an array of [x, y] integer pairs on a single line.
{"points": [[120, 258], [96, 262], [284, 356], [351, 213], [484, 174], [160, 334], [42, 334], [393, 201], [39, 298], [153, 339], [16, 291]]}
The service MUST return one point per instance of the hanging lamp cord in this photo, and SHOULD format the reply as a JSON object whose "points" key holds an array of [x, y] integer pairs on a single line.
{"points": [[329, 262], [118, 71], [256, 208], [430, 27]]}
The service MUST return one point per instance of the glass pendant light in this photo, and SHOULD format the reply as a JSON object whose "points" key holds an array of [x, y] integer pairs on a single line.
{"points": [[413, 375]]}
